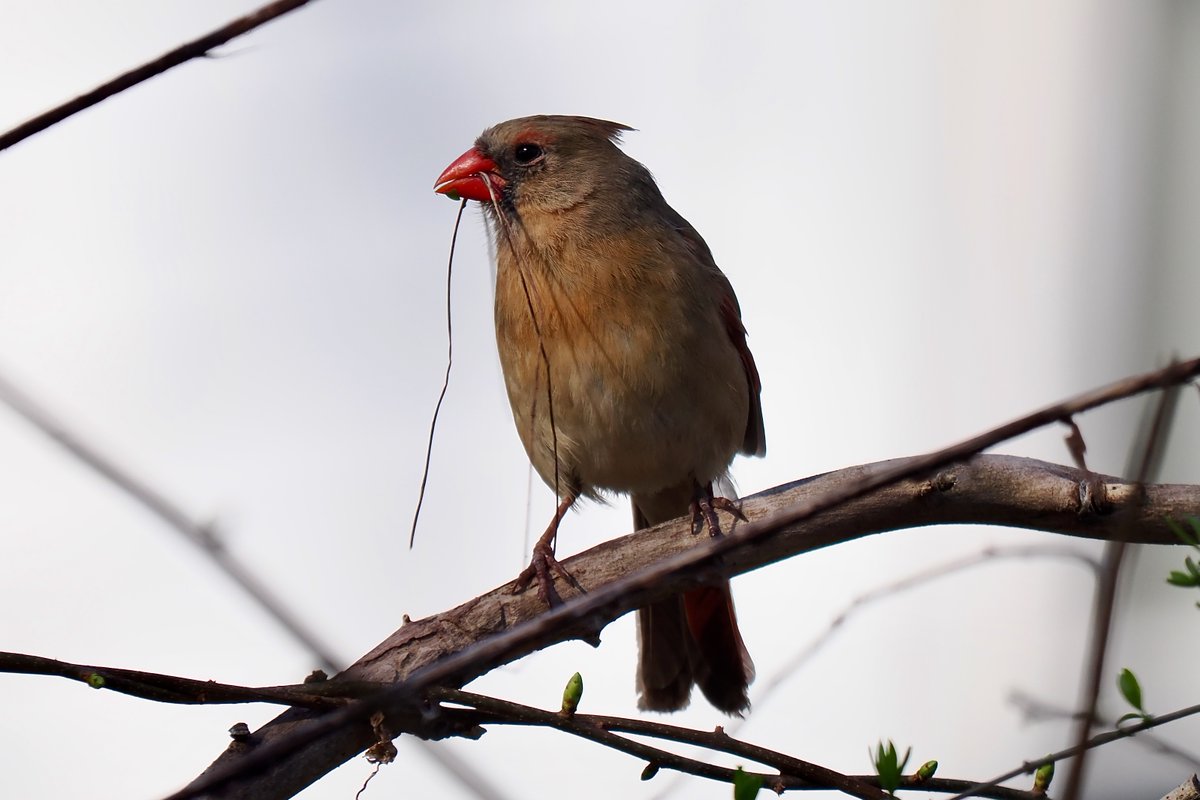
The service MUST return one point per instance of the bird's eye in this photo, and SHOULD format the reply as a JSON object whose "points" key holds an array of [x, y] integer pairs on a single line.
{"points": [[527, 153]]}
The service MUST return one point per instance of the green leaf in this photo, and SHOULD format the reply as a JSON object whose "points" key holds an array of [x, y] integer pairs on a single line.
{"points": [[95, 680], [746, 785], [889, 767], [1131, 690], [927, 771], [1191, 537], [1177, 578], [1132, 715]]}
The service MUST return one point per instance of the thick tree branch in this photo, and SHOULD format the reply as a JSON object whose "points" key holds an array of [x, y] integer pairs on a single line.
{"points": [[297, 748], [1188, 790], [993, 489]]}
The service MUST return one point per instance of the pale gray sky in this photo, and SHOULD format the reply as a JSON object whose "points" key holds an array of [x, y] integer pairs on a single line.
{"points": [[936, 216]]}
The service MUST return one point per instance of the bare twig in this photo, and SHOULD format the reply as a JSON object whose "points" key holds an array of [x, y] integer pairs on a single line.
{"points": [[1036, 710], [301, 749], [1075, 444], [173, 689], [988, 555], [197, 48], [1148, 452], [202, 535], [205, 537], [1098, 740]]}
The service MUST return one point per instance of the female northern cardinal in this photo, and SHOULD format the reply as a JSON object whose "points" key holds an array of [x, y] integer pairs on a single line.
{"points": [[626, 365]]}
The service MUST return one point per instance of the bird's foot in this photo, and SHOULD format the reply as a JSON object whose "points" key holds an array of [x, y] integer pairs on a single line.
{"points": [[541, 565], [705, 508]]}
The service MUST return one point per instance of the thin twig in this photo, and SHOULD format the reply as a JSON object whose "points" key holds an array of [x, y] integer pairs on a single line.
{"points": [[1036, 711], [173, 689], [601, 729], [197, 48], [1123, 732], [1149, 456], [793, 773], [203, 536], [437, 409], [988, 555]]}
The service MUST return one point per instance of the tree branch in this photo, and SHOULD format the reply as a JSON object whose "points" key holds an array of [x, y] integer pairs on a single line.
{"points": [[173, 689], [793, 773], [1148, 456], [197, 48], [991, 489], [295, 749], [202, 535], [1188, 790], [1035, 710], [481, 710], [1122, 732]]}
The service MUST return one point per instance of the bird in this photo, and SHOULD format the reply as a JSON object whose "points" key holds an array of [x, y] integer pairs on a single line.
{"points": [[626, 365]]}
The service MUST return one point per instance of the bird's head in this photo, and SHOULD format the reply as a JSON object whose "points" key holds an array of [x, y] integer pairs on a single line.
{"points": [[536, 164]]}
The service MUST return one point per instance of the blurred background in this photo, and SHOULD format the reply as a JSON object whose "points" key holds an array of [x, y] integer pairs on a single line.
{"points": [[229, 280]]}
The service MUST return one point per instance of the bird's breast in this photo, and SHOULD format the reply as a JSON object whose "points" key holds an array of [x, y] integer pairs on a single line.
{"points": [[642, 385]]}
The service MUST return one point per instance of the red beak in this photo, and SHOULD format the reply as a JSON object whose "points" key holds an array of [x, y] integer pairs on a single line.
{"points": [[473, 176]]}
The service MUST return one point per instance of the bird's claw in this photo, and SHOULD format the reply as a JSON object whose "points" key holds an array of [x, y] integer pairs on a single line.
{"points": [[704, 512], [541, 564]]}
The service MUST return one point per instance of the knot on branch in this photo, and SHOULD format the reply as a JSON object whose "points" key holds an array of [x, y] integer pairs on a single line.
{"points": [[1093, 497], [941, 482]]}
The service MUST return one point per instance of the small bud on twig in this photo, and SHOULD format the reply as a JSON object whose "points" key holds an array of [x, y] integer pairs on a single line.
{"points": [[572, 694], [1042, 778], [926, 771]]}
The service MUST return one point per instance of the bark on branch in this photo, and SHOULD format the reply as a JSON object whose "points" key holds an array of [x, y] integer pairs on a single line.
{"points": [[988, 489]]}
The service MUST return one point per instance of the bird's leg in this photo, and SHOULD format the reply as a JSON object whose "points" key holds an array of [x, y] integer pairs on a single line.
{"points": [[543, 560], [705, 508]]}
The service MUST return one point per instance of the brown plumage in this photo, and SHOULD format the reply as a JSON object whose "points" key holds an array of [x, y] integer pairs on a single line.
{"points": [[651, 386]]}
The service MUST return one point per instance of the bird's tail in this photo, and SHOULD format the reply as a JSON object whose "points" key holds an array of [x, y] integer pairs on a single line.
{"points": [[689, 638]]}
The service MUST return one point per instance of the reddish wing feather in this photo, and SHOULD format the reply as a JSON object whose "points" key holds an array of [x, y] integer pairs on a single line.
{"points": [[755, 443], [737, 335]]}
